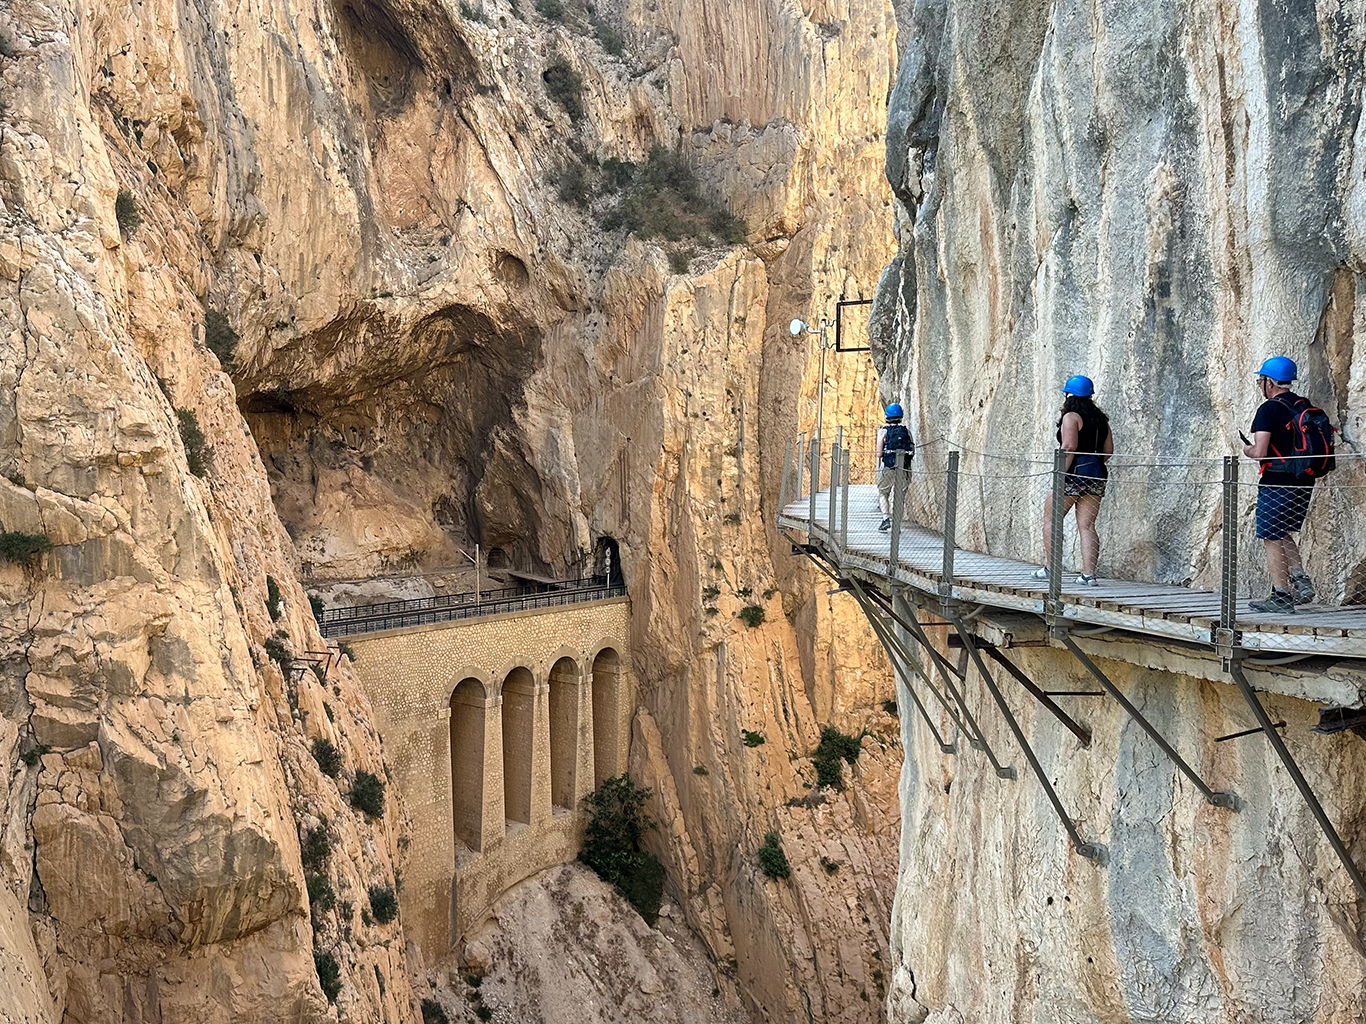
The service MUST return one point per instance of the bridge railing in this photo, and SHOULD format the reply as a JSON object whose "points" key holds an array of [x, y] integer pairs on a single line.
{"points": [[1161, 520], [374, 618]]}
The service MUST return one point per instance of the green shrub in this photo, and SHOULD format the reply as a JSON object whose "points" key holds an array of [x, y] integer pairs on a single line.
{"points": [[752, 615], [219, 337], [679, 261], [772, 858], [274, 600], [327, 755], [829, 773], [836, 744], [733, 519], [316, 847], [329, 973], [317, 605], [753, 739], [278, 651], [711, 593], [367, 794], [483, 1012], [700, 769], [831, 866], [193, 440], [320, 893], [346, 649], [666, 201], [472, 13], [575, 186], [126, 212], [609, 38], [474, 980], [383, 903], [552, 9], [611, 844], [889, 706], [564, 85], [433, 1012], [16, 546], [34, 754]]}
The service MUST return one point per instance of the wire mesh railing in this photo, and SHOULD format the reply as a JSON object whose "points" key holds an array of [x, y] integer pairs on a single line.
{"points": [[1282, 549]]}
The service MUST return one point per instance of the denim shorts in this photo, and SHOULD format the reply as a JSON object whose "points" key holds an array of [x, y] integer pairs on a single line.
{"points": [[1281, 510], [1085, 478]]}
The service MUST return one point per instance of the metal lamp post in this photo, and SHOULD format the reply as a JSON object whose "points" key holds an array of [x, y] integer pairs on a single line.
{"points": [[798, 327]]}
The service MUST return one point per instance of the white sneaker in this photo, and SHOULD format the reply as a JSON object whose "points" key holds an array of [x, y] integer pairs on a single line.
{"points": [[1086, 581], [1041, 573]]}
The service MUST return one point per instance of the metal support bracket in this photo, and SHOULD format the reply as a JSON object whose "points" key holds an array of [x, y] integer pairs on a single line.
{"points": [[1091, 851], [1079, 731], [1219, 798], [1274, 738]]}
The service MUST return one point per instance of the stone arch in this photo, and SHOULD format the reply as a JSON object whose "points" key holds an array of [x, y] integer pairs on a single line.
{"points": [[519, 691], [469, 710], [566, 730], [607, 697], [505, 673]]}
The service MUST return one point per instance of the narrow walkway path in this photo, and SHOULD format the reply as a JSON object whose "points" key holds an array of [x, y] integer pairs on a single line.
{"points": [[1157, 609]]}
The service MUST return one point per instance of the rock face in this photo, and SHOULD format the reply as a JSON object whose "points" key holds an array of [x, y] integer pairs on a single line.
{"points": [[1159, 197], [345, 236]]}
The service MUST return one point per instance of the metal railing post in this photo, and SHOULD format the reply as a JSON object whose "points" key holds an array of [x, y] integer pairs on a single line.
{"points": [[950, 526], [844, 500], [1226, 636], [787, 467], [1054, 607], [898, 510], [801, 466], [832, 504], [815, 482]]}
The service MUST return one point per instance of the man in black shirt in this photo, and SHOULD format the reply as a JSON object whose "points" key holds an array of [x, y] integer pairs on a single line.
{"points": [[1282, 500]]}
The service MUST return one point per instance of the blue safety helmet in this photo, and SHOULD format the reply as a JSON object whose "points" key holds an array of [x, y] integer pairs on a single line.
{"points": [[894, 411], [1079, 386], [1280, 369]]}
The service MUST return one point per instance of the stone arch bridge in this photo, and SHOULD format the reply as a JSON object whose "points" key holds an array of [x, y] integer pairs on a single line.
{"points": [[494, 729]]}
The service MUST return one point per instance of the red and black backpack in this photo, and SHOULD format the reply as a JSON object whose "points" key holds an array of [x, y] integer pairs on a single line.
{"points": [[1312, 456]]}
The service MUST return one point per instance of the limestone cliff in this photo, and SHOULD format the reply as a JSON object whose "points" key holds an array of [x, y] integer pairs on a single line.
{"points": [[1160, 196], [345, 235]]}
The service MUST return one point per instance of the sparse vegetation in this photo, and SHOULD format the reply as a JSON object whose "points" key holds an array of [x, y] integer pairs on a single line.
{"points": [[17, 546], [667, 202], [679, 260], [834, 747], [316, 604], [753, 739], [346, 649], [609, 38], [16, 478], [483, 1012], [367, 794], [831, 866], [316, 847], [473, 12], [711, 593], [433, 1012], [700, 769], [126, 212], [732, 518], [320, 893], [383, 903], [329, 973], [564, 85], [275, 603], [611, 844], [193, 440], [327, 755], [552, 9], [752, 615], [772, 859], [474, 980], [889, 706], [219, 337], [278, 651], [34, 754]]}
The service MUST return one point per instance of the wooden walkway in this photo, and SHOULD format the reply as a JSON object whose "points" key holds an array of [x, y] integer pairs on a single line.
{"points": [[1156, 609]]}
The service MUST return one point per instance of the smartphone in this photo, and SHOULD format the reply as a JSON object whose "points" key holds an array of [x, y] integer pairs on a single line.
{"points": [[1244, 437]]}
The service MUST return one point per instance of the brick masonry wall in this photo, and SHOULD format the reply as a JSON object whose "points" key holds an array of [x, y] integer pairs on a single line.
{"points": [[410, 675]]}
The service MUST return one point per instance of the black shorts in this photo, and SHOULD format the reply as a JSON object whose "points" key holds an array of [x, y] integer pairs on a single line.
{"points": [[1281, 510]]}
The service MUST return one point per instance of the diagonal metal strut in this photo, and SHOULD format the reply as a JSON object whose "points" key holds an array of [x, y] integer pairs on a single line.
{"points": [[1091, 851], [1278, 744], [1080, 731], [1217, 798]]}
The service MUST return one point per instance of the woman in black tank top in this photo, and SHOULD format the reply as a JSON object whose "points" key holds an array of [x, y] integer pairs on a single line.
{"points": [[1084, 433]]}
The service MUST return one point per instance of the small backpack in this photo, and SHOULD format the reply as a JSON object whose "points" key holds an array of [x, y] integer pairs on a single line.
{"points": [[897, 439], [1312, 456]]}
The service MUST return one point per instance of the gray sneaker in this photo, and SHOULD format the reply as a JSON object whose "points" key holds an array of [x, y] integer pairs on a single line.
{"points": [[1301, 587], [1278, 601], [886, 524]]}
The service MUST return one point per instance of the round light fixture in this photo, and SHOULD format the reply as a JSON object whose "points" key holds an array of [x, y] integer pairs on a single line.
{"points": [[796, 327]]}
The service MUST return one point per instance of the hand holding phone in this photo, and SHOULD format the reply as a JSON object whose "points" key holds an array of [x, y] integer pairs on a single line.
{"points": [[1244, 437]]}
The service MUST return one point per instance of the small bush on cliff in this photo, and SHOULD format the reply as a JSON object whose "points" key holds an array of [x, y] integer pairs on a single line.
{"points": [[316, 604], [316, 847], [17, 546], [329, 973], [277, 650], [327, 755], [433, 1012], [772, 858], [666, 201], [367, 794], [753, 739], [321, 896], [34, 754], [275, 602], [611, 844], [193, 440], [889, 707], [219, 337], [383, 903], [610, 38], [752, 615], [564, 85], [552, 9], [834, 747], [126, 212]]}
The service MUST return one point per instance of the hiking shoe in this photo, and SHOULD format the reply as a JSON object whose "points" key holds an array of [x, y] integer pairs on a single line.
{"points": [[1041, 573], [1086, 581], [1279, 601], [1301, 587], [886, 524]]}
